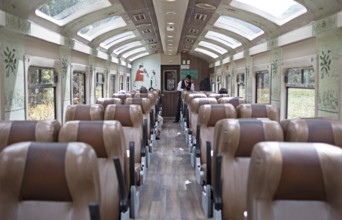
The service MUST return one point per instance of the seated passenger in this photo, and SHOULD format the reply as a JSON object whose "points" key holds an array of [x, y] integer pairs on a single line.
{"points": [[223, 91]]}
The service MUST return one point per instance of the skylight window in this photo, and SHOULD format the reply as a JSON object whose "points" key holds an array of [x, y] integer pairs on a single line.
{"points": [[213, 47], [117, 39], [206, 52], [127, 47], [100, 27], [130, 53], [239, 27], [62, 12], [223, 39], [278, 12], [138, 56]]}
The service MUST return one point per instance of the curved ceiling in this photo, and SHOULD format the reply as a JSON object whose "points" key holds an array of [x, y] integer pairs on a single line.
{"points": [[210, 29]]}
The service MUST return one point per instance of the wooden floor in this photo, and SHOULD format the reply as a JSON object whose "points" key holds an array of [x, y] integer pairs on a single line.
{"points": [[170, 191]]}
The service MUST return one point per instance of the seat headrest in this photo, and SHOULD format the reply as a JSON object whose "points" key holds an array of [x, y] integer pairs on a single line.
{"points": [[235, 101], [209, 114], [84, 112], [105, 137], [128, 115], [257, 111], [107, 101], [20, 130], [143, 102], [237, 137], [197, 102], [50, 171], [314, 130]]}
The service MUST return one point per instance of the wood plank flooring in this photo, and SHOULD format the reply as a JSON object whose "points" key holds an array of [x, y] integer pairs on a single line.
{"points": [[170, 191]]}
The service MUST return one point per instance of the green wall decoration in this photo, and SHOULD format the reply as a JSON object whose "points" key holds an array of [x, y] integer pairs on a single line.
{"points": [[325, 61], [10, 61]]}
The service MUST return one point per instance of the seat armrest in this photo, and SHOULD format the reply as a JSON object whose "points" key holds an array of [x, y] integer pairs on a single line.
{"points": [[218, 187], [122, 188], [94, 211], [208, 151]]}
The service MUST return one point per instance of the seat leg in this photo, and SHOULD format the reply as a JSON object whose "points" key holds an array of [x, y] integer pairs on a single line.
{"points": [[207, 204], [135, 201]]}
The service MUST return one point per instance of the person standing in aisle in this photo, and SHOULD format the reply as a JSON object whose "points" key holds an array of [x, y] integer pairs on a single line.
{"points": [[187, 85]]}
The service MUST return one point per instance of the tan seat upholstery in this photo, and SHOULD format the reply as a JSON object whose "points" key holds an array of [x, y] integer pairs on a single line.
{"points": [[313, 130], [235, 101], [131, 119], [208, 115], [107, 101], [257, 111], [297, 181], [107, 139], [54, 181], [122, 96], [18, 131], [234, 139], [84, 112]]}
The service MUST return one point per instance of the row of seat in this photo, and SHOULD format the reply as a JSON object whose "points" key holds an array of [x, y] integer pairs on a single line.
{"points": [[88, 132]]}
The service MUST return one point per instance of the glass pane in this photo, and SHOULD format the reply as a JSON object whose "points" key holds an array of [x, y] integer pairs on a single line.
{"points": [[213, 47], [79, 88], [170, 83], [130, 53], [301, 77], [112, 87], [239, 27], [263, 87], [138, 56], [206, 52], [223, 39], [241, 85], [279, 12], [41, 94], [99, 91], [62, 9], [127, 84], [300, 103], [97, 28], [127, 47], [117, 39]]}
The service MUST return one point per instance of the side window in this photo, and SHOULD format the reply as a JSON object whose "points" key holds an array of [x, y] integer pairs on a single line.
{"points": [[262, 87], [121, 82], [241, 88], [41, 93], [99, 85], [300, 92], [112, 85], [79, 88], [127, 84]]}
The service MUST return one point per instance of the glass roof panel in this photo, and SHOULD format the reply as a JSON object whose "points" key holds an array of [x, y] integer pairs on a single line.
{"points": [[206, 52], [130, 53], [60, 11], [279, 12], [127, 47], [223, 39], [138, 56], [100, 27], [239, 27], [213, 47], [117, 39]]}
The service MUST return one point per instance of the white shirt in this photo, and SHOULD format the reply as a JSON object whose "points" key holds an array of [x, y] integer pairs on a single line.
{"points": [[179, 87]]}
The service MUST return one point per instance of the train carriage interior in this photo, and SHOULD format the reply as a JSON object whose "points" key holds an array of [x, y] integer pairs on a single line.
{"points": [[170, 109]]}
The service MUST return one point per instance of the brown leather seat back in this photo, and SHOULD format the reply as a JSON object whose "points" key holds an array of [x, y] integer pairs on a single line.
{"points": [[108, 140], [84, 112], [297, 181], [314, 130], [234, 139], [18, 131], [208, 115], [194, 107], [122, 96], [257, 111], [41, 180], [217, 95], [131, 119], [235, 101], [108, 101]]}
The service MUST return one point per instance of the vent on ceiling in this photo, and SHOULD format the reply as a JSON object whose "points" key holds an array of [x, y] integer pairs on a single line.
{"points": [[188, 40], [150, 41], [139, 17], [153, 46], [193, 31], [146, 31], [200, 16]]}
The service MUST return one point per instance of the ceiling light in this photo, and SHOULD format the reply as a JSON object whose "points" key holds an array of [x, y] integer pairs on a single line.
{"points": [[170, 0], [170, 13], [206, 6], [169, 36]]}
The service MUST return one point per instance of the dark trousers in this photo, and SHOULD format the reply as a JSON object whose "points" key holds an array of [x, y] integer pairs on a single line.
{"points": [[179, 105]]}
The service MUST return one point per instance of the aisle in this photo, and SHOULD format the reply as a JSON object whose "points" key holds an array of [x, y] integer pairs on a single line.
{"points": [[170, 191]]}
